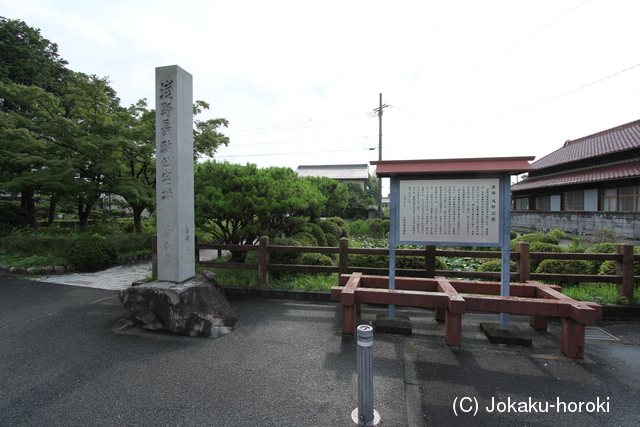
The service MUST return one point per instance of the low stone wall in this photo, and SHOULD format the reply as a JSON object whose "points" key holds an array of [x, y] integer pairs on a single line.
{"points": [[626, 224]]}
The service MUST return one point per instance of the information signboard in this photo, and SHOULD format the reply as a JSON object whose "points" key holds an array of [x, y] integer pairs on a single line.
{"points": [[449, 211]]}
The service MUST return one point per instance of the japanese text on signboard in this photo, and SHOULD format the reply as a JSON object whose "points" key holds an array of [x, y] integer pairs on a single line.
{"points": [[456, 210]]}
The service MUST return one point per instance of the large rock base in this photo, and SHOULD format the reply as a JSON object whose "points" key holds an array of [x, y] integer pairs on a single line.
{"points": [[195, 307]]}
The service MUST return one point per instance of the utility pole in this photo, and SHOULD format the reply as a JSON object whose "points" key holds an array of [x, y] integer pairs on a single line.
{"points": [[379, 111]]}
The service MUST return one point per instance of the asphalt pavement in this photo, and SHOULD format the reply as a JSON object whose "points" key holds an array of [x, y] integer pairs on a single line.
{"points": [[66, 361]]}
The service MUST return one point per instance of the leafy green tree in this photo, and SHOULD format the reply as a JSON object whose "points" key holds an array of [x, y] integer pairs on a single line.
{"points": [[336, 194], [359, 202], [26, 59], [237, 204]]}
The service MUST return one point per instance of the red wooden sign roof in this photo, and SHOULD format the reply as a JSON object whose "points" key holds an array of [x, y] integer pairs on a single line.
{"points": [[511, 165]]}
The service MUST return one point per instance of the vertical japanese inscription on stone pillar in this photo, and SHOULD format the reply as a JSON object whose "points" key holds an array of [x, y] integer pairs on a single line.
{"points": [[174, 173]]}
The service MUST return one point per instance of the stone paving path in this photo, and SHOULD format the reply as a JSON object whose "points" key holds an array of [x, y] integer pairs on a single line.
{"points": [[114, 278]]}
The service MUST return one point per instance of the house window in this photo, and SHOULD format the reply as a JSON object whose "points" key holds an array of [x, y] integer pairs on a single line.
{"points": [[522, 203], [609, 199], [574, 200], [626, 199], [543, 203], [623, 199]]}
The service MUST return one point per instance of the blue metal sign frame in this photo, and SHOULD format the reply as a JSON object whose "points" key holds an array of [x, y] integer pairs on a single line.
{"points": [[503, 229]]}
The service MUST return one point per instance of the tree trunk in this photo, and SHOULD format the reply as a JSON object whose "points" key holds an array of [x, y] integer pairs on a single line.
{"points": [[53, 203], [84, 210], [29, 205], [137, 217]]}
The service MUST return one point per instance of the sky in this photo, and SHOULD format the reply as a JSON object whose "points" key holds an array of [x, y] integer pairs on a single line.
{"points": [[298, 81]]}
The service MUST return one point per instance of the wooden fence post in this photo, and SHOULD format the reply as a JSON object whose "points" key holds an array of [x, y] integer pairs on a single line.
{"points": [[430, 261], [624, 268], [343, 264], [524, 263], [263, 259]]}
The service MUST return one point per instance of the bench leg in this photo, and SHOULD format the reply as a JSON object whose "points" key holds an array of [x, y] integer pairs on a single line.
{"points": [[440, 316], [349, 319], [539, 323], [453, 328], [572, 344]]}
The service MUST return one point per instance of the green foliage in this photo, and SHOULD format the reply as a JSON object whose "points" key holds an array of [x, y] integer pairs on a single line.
{"points": [[359, 202], [12, 218], [315, 259], [601, 248], [495, 265], [564, 266], [542, 247], [512, 235], [601, 293], [237, 204], [534, 237], [305, 239], [284, 257], [332, 240], [344, 227], [32, 244], [331, 229], [557, 234], [604, 235], [609, 267], [316, 231], [404, 262], [335, 193], [380, 228], [90, 253]]}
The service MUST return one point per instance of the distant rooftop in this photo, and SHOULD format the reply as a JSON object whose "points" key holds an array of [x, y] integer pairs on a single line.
{"points": [[620, 138], [338, 172]]}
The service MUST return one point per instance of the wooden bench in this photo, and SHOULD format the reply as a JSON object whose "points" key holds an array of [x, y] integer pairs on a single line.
{"points": [[531, 298]]}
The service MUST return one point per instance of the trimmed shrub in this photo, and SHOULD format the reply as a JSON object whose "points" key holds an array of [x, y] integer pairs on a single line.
{"points": [[315, 259], [90, 253], [332, 240], [495, 265], [608, 267], [601, 248], [344, 227], [317, 233], [12, 217], [382, 261], [285, 257], [332, 232], [34, 244], [542, 247], [534, 237], [512, 235], [564, 266], [305, 239], [380, 228]]}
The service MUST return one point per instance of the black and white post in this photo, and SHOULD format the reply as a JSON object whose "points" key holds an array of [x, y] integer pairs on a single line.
{"points": [[364, 414]]}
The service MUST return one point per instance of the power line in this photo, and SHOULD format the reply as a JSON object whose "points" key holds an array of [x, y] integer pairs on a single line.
{"points": [[479, 66], [291, 154]]}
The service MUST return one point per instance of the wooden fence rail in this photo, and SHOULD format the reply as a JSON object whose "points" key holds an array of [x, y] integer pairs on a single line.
{"points": [[624, 258]]}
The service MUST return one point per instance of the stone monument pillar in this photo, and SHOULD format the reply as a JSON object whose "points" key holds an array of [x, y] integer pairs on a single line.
{"points": [[174, 174], [177, 301]]}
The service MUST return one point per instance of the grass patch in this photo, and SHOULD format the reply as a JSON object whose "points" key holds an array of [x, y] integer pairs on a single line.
{"points": [[35, 261], [601, 293]]}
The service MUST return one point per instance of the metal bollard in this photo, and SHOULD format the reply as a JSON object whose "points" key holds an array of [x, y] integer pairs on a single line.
{"points": [[364, 414]]}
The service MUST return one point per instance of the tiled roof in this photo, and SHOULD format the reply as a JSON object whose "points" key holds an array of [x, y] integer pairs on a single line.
{"points": [[339, 172], [614, 140], [627, 169]]}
